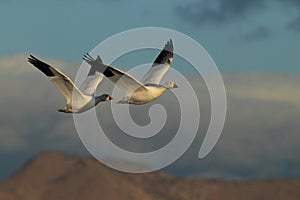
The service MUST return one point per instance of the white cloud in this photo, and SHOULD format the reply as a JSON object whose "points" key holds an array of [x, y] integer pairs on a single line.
{"points": [[260, 137], [29, 103], [265, 86]]}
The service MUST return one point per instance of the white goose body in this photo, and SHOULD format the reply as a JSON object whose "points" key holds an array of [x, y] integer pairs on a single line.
{"points": [[142, 96], [78, 100], [139, 92], [79, 106]]}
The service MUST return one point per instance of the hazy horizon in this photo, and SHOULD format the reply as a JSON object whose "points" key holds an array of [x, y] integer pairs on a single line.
{"points": [[255, 45]]}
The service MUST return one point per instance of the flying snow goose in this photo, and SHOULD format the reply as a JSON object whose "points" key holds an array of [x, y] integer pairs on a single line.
{"points": [[139, 92], [78, 100]]}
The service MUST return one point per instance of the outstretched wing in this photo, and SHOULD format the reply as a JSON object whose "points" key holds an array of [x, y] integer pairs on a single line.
{"points": [[120, 78], [123, 80], [90, 84], [93, 79], [161, 65], [61, 81]]}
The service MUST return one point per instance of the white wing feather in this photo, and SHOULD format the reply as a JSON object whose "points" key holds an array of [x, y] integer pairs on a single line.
{"points": [[160, 66], [120, 78], [63, 83], [89, 86], [123, 80]]}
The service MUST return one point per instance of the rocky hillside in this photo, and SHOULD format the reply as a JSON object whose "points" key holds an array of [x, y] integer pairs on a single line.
{"points": [[52, 175]]}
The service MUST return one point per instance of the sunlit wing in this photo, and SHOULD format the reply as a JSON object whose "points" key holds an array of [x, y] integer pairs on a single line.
{"points": [[90, 84], [160, 66], [120, 78], [61, 81]]}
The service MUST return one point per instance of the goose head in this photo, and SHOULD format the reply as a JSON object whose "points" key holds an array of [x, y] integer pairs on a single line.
{"points": [[103, 97], [170, 85]]}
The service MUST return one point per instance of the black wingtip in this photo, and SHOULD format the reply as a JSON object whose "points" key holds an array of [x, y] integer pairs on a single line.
{"points": [[169, 46], [31, 59], [44, 67], [165, 54]]}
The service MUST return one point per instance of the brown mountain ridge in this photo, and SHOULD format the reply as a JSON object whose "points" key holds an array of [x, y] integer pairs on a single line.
{"points": [[52, 175]]}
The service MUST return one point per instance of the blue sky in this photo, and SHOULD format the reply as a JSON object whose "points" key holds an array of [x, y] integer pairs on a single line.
{"points": [[255, 44], [240, 36]]}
